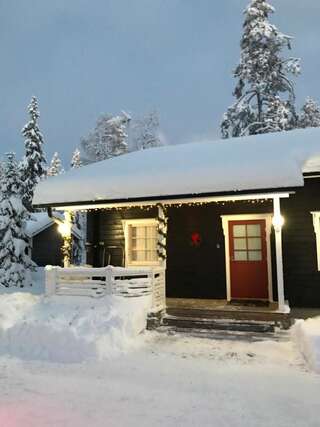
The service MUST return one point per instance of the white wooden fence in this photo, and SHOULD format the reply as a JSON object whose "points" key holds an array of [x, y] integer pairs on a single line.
{"points": [[98, 282]]}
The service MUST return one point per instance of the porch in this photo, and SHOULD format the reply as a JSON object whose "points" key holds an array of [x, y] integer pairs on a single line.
{"points": [[211, 251], [208, 314]]}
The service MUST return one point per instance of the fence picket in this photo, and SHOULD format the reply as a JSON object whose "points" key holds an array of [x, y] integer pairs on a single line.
{"points": [[97, 282]]}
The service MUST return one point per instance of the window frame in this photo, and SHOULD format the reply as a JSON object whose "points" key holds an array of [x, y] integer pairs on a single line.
{"points": [[316, 227], [144, 222]]}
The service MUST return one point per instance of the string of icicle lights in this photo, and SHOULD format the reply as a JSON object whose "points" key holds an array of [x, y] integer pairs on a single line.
{"points": [[153, 206]]}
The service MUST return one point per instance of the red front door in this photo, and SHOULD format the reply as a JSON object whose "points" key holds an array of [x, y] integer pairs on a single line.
{"points": [[248, 259]]}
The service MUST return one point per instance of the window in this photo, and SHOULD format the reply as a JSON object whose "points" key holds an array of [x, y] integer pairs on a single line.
{"points": [[316, 226], [141, 242], [247, 242]]}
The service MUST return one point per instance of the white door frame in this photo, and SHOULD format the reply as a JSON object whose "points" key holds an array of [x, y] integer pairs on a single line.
{"points": [[243, 217]]}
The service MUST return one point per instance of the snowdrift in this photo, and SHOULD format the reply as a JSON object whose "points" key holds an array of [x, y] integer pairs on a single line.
{"points": [[307, 336], [69, 330]]}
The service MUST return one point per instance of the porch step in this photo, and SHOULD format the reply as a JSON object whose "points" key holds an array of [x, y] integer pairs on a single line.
{"points": [[242, 316], [187, 323], [226, 335]]}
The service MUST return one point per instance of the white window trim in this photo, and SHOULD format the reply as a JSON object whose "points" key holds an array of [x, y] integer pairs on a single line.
{"points": [[145, 222], [316, 227], [225, 225]]}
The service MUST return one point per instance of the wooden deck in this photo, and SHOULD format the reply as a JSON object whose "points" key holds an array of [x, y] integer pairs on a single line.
{"points": [[219, 305], [210, 314]]}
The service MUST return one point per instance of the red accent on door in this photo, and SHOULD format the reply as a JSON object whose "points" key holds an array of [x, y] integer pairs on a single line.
{"points": [[248, 259]]}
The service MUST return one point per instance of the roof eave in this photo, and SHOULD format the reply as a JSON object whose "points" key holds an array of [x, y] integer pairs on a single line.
{"points": [[88, 204]]}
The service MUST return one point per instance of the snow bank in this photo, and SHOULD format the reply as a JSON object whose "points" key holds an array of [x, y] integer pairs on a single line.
{"points": [[307, 336], [238, 164], [37, 288], [69, 329]]}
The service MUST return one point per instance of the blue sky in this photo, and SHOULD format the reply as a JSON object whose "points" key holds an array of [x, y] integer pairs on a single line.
{"points": [[82, 58]]}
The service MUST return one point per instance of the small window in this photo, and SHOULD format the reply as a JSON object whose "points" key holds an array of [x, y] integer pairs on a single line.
{"points": [[316, 226], [141, 242], [247, 242]]}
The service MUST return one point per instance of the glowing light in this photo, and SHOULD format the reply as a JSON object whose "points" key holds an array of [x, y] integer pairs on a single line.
{"points": [[64, 229], [277, 221]]}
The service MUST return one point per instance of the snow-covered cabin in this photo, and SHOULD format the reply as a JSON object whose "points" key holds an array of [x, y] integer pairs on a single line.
{"points": [[45, 240], [242, 217]]}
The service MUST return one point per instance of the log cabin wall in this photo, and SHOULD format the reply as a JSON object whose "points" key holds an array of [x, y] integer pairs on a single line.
{"points": [[198, 270], [301, 275], [106, 234], [46, 247]]}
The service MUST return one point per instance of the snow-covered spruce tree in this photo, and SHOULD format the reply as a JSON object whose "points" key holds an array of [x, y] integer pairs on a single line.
{"points": [[80, 220], [34, 162], [76, 159], [310, 115], [264, 88], [108, 139], [55, 167], [15, 264], [146, 132], [1, 169]]}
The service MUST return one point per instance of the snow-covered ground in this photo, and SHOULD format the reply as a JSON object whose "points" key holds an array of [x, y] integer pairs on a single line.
{"points": [[169, 381], [68, 361]]}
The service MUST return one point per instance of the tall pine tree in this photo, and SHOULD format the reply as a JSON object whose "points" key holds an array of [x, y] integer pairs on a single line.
{"points": [[146, 132], [34, 162], [15, 264], [108, 139], [265, 98], [55, 167], [76, 159], [80, 220], [310, 116]]}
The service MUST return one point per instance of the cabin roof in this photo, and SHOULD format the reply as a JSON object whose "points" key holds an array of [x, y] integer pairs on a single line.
{"points": [[270, 161], [40, 221]]}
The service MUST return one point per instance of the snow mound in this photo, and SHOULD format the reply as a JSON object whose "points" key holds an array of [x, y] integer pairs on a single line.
{"points": [[69, 329], [307, 336]]}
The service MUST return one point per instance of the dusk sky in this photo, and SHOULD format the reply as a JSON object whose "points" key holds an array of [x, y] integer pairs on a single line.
{"points": [[82, 58]]}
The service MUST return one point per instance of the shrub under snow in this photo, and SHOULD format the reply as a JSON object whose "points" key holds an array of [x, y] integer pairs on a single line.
{"points": [[69, 329], [307, 335]]}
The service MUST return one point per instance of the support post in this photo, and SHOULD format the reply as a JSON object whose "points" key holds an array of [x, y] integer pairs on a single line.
{"points": [[51, 280], [109, 279], [66, 231], [162, 235], [277, 224]]}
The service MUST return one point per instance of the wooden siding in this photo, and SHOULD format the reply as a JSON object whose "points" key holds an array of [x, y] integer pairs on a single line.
{"points": [[106, 234], [301, 275], [46, 247], [198, 271]]}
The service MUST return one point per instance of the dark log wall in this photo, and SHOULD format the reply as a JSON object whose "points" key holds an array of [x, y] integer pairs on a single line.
{"points": [[47, 247], [199, 271], [106, 236], [302, 279]]}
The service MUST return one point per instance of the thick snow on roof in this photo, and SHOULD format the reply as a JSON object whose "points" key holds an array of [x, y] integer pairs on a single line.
{"points": [[251, 163], [39, 221]]}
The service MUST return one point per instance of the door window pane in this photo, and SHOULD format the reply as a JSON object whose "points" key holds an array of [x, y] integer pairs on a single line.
{"points": [[247, 242], [254, 243], [255, 255], [240, 243], [240, 255], [239, 231], [254, 230]]}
